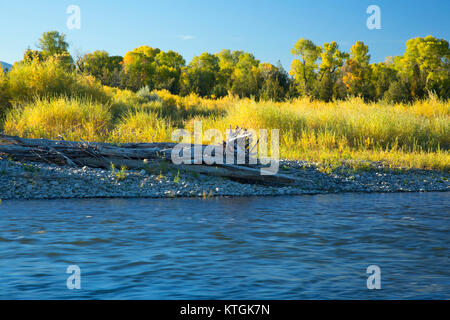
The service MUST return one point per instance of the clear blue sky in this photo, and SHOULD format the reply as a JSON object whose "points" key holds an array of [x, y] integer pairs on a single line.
{"points": [[268, 29]]}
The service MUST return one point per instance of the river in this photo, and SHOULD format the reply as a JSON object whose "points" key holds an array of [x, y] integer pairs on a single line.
{"points": [[293, 247]]}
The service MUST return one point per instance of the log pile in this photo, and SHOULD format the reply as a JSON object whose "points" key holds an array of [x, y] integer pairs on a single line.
{"points": [[130, 155]]}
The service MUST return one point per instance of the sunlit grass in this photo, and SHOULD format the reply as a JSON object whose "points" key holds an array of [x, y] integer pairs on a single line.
{"points": [[403, 135], [70, 118]]}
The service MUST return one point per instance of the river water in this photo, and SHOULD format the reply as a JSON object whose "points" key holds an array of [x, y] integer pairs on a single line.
{"points": [[293, 247]]}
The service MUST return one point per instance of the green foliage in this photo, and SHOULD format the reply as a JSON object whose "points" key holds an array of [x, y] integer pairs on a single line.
{"points": [[177, 178], [397, 93], [317, 72], [53, 43], [146, 66], [426, 66], [4, 93], [102, 66], [382, 77], [119, 175], [201, 75], [303, 68], [50, 78]]}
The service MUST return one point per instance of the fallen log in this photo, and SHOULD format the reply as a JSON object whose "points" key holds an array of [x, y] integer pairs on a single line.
{"points": [[130, 155]]}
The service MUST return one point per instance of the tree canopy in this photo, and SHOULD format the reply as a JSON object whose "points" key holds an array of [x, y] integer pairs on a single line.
{"points": [[320, 72]]}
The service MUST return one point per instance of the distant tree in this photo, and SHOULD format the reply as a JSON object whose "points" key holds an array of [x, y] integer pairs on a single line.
{"points": [[425, 66], [102, 66], [200, 76], [383, 75], [246, 76], [4, 94], [356, 71], [275, 82], [139, 67], [53, 43], [304, 67], [398, 92], [168, 71], [332, 60], [30, 55], [227, 63]]}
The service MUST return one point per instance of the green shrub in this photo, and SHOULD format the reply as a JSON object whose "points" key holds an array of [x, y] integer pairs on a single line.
{"points": [[51, 78], [4, 96], [398, 92]]}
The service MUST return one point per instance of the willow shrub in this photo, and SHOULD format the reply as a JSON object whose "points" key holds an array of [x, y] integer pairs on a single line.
{"points": [[50, 78]]}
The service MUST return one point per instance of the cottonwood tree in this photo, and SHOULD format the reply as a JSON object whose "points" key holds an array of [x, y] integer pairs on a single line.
{"points": [[200, 75], [53, 43], [425, 66], [332, 60], [304, 67], [356, 71]]}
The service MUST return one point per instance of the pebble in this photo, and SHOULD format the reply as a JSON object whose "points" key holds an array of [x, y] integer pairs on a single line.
{"points": [[55, 182]]}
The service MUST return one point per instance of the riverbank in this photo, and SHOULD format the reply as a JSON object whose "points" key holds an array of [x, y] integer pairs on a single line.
{"points": [[26, 180]]}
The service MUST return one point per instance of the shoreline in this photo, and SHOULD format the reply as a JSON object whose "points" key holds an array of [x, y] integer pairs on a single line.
{"points": [[33, 181]]}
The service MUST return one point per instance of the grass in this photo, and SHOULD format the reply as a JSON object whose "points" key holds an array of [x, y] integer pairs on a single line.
{"points": [[177, 178], [119, 174], [398, 136]]}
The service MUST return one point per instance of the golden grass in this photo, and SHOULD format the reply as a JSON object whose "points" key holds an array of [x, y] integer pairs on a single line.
{"points": [[403, 135], [71, 118]]}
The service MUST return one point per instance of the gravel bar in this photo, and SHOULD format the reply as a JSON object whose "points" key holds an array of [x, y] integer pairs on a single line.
{"points": [[20, 180]]}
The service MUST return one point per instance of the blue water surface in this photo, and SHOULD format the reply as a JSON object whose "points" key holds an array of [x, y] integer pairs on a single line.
{"points": [[293, 247]]}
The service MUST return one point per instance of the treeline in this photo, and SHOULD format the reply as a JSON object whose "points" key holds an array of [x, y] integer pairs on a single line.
{"points": [[320, 72]]}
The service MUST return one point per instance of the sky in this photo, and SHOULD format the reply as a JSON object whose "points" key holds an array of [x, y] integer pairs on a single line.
{"points": [[268, 29]]}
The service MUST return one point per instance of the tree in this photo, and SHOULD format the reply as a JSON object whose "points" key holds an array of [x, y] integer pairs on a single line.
{"points": [[356, 71], [102, 66], [227, 64], [332, 60], [246, 76], [303, 68], [398, 92], [139, 67], [30, 55], [275, 82], [53, 43], [383, 75], [4, 95], [201, 74], [425, 66], [168, 71]]}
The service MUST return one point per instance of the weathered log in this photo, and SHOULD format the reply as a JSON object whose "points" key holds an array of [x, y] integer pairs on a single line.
{"points": [[130, 155]]}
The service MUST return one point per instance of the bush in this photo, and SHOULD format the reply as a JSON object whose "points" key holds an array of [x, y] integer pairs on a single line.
{"points": [[51, 78], [145, 93], [398, 92], [4, 97]]}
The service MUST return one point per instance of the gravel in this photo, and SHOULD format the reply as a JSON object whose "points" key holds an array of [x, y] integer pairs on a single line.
{"points": [[19, 180]]}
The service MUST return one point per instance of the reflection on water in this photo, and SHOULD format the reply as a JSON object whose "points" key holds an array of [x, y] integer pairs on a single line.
{"points": [[298, 247]]}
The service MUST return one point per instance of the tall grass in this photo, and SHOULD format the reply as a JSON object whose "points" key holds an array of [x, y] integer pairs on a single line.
{"points": [[141, 126], [408, 135], [350, 123], [71, 118]]}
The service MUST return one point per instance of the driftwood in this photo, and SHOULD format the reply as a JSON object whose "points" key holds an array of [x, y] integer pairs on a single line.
{"points": [[130, 155]]}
